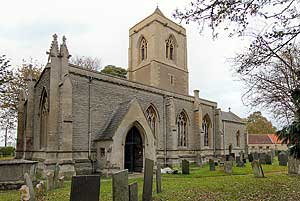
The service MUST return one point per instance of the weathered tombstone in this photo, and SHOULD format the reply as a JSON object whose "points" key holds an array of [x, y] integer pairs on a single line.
{"points": [[148, 180], [158, 178], [212, 165], [237, 159], [199, 160], [262, 158], [28, 183], [228, 167], [250, 157], [120, 186], [61, 182], [244, 160], [293, 166], [283, 158], [185, 166], [25, 195], [50, 181], [255, 156], [133, 191], [269, 158], [227, 157], [257, 169], [56, 173], [85, 187], [40, 190]]}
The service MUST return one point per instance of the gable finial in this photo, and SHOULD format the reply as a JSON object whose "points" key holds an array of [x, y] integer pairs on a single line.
{"points": [[53, 52], [64, 52], [158, 11], [229, 109]]}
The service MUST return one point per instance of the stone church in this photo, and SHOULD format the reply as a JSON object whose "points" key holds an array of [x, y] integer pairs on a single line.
{"points": [[88, 121]]}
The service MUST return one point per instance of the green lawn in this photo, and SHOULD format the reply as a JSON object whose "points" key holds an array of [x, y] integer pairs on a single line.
{"points": [[202, 184]]}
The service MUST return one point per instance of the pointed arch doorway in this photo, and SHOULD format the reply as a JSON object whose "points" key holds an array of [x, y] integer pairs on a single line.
{"points": [[133, 151]]}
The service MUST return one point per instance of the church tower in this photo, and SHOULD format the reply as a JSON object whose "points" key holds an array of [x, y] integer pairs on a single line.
{"points": [[157, 54]]}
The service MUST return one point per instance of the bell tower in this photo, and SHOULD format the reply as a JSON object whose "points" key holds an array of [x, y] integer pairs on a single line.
{"points": [[157, 54]]}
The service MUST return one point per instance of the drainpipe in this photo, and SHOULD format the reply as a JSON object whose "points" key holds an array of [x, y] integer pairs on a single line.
{"points": [[89, 120], [164, 127]]}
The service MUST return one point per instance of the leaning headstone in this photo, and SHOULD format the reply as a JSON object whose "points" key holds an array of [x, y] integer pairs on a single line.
{"points": [[133, 191], [212, 165], [120, 186], [50, 181], [185, 166], [283, 158], [250, 157], [158, 178], [85, 187], [148, 180], [257, 169], [24, 190], [56, 173], [28, 183], [269, 158], [228, 167]]}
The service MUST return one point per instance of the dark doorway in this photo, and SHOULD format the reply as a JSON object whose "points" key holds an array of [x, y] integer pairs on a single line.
{"points": [[134, 151]]}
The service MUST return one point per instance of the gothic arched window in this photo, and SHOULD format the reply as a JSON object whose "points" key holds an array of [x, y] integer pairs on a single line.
{"points": [[238, 140], [205, 128], [143, 49], [182, 129], [43, 120], [152, 118], [170, 48]]}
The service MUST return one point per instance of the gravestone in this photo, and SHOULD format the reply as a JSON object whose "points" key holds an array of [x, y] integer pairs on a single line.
{"points": [[50, 181], [257, 169], [25, 195], [293, 166], [61, 182], [212, 165], [40, 190], [158, 178], [133, 191], [56, 173], [228, 167], [120, 186], [28, 183], [250, 157], [227, 157], [269, 158], [185, 165], [199, 160], [238, 159], [148, 180], [283, 158], [262, 158], [85, 187], [244, 160], [255, 156]]}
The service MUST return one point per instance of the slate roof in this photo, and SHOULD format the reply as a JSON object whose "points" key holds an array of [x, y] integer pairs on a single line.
{"points": [[259, 139], [117, 116], [229, 116]]}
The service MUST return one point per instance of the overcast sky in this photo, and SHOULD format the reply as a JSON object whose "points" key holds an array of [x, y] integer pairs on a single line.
{"points": [[100, 29]]}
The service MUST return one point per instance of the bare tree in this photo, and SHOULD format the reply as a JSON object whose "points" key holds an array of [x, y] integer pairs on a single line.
{"points": [[91, 63]]}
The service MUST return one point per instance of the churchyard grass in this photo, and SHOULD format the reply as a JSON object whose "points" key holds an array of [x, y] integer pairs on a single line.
{"points": [[202, 184]]}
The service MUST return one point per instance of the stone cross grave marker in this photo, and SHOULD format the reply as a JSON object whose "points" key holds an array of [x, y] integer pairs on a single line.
{"points": [[148, 180], [56, 173], [185, 166], [212, 165], [133, 191], [257, 169], [158, 178], [28, 183], [283, 158], [85, 188], [228, 167], [50, 181], [120, 186]]}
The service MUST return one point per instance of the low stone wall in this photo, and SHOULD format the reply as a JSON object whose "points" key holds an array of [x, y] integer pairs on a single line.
{"points": [[12, 172]]}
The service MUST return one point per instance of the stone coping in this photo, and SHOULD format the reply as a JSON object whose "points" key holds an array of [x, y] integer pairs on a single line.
{"points": [[16, 161]]}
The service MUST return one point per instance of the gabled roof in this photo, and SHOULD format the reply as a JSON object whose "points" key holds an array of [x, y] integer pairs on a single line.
{"points": [[274, 139], [259, 139], [158, 11], [229, 116], [115, 120]]}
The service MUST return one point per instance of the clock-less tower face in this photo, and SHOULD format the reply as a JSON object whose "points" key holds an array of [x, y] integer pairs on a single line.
{"points": [[158, 54]]}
